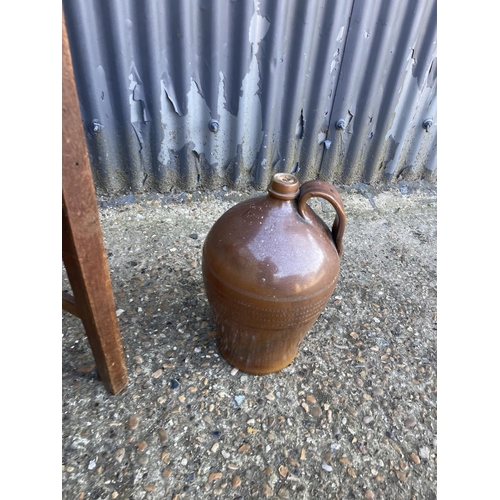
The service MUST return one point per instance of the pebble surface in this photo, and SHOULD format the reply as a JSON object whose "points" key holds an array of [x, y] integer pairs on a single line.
{"points": [[133, 422], [355, 413]]}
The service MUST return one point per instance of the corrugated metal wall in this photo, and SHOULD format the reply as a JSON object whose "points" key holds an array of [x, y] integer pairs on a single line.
{"points": [[199, 94]]}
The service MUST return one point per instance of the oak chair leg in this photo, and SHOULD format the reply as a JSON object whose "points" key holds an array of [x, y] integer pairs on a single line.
{"points": [[84, 254]]}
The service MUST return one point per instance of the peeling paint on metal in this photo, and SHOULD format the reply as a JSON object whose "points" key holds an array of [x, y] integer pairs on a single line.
{"points": [[259, 26], [335, 62], [237, 135], [409, 86], [138, 110], [341, 33]]}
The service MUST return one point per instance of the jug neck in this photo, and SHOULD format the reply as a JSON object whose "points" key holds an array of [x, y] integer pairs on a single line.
{"points": [[284, 186]]}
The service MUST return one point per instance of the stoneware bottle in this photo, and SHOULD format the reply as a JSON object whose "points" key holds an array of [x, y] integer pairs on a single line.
{"points": [[270, 266]]}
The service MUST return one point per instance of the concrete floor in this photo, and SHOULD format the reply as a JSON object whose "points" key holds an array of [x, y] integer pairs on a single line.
{"points": [[354, 416]]}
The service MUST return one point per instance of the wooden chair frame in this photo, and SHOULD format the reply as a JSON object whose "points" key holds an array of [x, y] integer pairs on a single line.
{"points": [[83, 250]]}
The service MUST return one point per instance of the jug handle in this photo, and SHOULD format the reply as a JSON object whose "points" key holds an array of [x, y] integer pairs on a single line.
{"points": [[325, 190]]}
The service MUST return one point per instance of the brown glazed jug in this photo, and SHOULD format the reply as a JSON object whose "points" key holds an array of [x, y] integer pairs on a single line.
{"points": [[270, 266]]}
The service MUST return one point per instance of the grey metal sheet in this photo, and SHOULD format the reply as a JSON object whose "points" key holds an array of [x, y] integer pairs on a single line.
{"points": [[386, 90], [275, 75]]}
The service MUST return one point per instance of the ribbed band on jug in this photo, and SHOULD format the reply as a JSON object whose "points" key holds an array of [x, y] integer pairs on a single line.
{"points": [[284, 186]]}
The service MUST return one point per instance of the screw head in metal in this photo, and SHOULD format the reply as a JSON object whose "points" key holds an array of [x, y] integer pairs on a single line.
{"points": [[340, 125], [95, 126], [213, 125], [427, 124]]}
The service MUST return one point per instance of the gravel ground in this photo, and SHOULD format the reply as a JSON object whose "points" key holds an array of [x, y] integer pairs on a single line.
{"points": [[353, 417]]}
